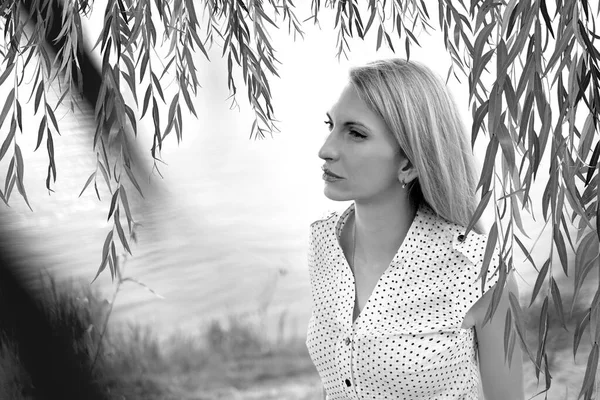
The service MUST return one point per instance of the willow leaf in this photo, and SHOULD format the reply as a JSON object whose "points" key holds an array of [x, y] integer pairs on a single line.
{"points": [[11, 185], [542, 334], [156, 120], [556, 298], [157, 86], [51, 162], [41, 130], [511, 99], [478, 70], [540, 280], [125, 203], [146, 100], [132, 118], [89, 180], [511, 348], [133, 180], [111, 264], [189, 103], [120, 231], [587, 136], [589, 244], [516, 214], [7, 72], [131, 83], [489, 252], [105, 176], [105, 251], [113, 203], [562, 250], [144, 65], [525, 251], [485, 199], [520, 324], [512, 12], [7, 106], [9, 174], [547, 376], [379, 37], [579, 329], [481, 40], [171, 115], [7, 142], [113, 253], [508, 331], [480, 114], [593, 164], [52, 117], [21, 173], [590, 371]]}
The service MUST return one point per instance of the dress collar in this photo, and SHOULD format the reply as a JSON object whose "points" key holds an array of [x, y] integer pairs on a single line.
{"points": [[417, 234]]}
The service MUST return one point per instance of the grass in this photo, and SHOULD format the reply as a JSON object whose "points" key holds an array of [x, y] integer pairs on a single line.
{"points": [[13, 379], [225, 357], [131, 362]]}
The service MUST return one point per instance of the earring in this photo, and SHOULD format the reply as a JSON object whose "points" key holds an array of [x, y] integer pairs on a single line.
{"points": [[403, 185]]}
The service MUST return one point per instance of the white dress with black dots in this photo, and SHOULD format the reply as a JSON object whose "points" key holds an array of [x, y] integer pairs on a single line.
{"points": [[407, 343]]}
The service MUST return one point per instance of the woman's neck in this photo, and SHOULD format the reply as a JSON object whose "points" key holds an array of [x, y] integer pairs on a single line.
{"points": [[380, 228]]}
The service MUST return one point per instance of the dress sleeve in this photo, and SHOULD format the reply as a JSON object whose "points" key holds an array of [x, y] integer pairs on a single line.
{"points": [[312, 258], [320, 278], [473, 249], [316, 236]]}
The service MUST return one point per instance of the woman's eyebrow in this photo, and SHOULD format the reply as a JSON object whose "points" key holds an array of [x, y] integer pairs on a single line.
{"points": [[349, 123]]}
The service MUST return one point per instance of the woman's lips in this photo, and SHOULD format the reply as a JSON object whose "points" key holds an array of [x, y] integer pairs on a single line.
{"points": [[330, 176]]}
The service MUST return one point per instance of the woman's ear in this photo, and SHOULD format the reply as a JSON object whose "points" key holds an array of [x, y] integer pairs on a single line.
{"points": [[406, 171]]}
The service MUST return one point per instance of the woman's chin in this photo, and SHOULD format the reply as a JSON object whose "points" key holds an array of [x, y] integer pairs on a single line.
{"points": [[335, 195]]}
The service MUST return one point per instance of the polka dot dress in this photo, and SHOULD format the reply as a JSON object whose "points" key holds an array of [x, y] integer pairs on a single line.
{"points": [[407, 342]]}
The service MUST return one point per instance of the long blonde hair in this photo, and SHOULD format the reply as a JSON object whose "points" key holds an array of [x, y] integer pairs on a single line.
{"points": [[420, 112]]}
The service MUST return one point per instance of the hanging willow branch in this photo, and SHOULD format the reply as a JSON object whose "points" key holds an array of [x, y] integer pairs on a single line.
{"points": [[533, 77]]}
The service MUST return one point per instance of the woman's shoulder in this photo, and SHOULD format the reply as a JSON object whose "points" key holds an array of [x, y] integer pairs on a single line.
{"points": [[472, 245], [331, 216], [326, 216]]}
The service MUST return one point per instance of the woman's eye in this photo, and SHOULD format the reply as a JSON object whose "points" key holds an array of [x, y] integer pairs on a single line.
{"points": [[357, 135], [329, 124]]}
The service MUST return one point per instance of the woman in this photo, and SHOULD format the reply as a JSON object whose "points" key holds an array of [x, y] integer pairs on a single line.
{"points": [[397, 304]]}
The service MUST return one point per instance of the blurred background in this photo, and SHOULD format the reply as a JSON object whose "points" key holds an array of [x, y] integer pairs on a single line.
{"points": [[223, 236]]}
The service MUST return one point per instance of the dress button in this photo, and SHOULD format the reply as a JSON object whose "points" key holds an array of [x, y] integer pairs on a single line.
{"points": [[348, 383], [347, 341]]}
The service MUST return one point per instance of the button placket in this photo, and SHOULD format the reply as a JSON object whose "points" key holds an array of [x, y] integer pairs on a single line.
{"points": [[345, 349], [344, 354]]}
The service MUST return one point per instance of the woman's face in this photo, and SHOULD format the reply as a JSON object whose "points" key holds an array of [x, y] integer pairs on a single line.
{"points": [[362, 157]]}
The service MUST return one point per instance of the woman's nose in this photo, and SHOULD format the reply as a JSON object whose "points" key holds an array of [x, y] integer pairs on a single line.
{"points": [[329, 150]]}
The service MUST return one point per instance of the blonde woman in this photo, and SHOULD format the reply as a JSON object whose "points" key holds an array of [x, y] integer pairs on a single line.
{"points": [[397, 306]]}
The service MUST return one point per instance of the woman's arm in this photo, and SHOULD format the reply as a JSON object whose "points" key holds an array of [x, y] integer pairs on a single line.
{"points": [[499, 382]]}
